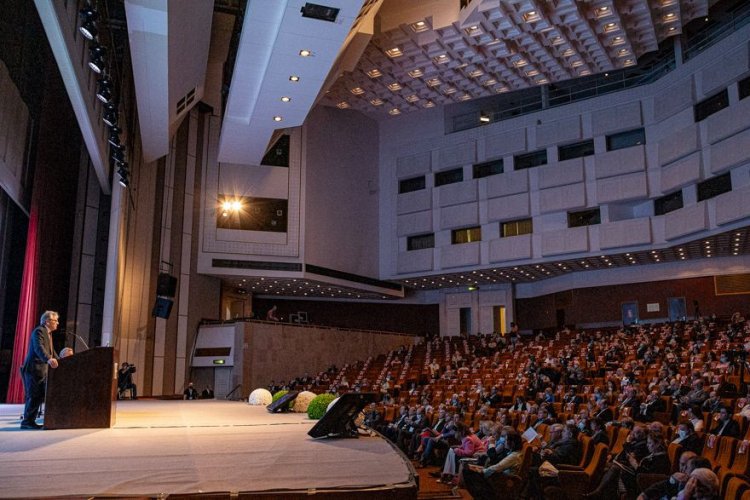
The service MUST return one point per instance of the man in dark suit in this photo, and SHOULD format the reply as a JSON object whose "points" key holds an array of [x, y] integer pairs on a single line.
{"points": [[654, 403], [40, 356], [603, 412], [726, 426]]}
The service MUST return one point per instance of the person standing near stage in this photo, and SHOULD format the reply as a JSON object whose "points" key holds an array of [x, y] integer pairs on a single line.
{"points": [[40, 357]]}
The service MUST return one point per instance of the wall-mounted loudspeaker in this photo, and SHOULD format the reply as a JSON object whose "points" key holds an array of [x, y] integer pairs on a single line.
{"points": [[162, 308]]}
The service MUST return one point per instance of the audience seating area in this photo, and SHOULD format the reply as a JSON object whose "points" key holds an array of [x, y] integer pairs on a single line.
{"points": [[492, 381]]}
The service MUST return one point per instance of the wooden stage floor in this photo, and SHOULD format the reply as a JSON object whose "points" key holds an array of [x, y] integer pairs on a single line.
{"points": [[196, 448]]}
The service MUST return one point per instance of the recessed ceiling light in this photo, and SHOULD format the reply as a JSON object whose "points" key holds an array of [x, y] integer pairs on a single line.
{"points": [[464, 97], [376, 102], [670, 16], [441, 59], [277, 118], [294, 78], [342, 105], [490, 82], [305, 53], [419, 27], [610, 27], [433, 82], [412, 98], [394, 86], [415, 73], [394, 111], [429, 104], [394, 52], [450, 90], [357, 91], [374, 73], [285, 98]]}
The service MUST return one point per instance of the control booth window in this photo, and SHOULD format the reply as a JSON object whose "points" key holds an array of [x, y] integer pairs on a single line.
{"points": [[577, 150], [743, 87], [626, 139], [711, 105], [411, 184], [668, 203], [252, 214], [714, 187], [488, 168], [516, 228], [584, 218], [529, 160], [420, 242], [449, 177], [466, 235]]}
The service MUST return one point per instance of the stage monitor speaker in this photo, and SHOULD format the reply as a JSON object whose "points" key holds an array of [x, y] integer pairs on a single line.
{"points": [[282, 404], [162, 308], [166, 285], [339, 421]]}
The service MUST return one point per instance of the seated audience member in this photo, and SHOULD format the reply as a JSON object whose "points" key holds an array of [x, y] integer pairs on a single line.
{"points": [[712, 404], [391, 429], [703, 484], [654, 403], [726, 425], [603, 412], [564, 448], [373, 417], [598, 432], [271, 315], [190, 392], [670, 487], [636, 446], [695, 416], [687, 438], [476, 477], [470, 446], [656, 462], [520, 404], [208, 393]]}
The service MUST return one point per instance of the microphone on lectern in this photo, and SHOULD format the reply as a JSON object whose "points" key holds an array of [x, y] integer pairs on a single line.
{"points": [[74, 334]]}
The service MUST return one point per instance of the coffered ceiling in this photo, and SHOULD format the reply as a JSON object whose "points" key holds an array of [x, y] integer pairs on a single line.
{"points": [[438, 53]]}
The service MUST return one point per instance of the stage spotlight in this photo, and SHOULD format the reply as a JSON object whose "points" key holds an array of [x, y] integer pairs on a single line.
{"points": [[88, 22], [114, 136], [124, 173], [97, 58], [110, 115], [104, 90], [118, 154]]}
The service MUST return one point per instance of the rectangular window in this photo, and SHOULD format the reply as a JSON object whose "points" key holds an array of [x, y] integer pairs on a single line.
{"points": [[744, 87], [668, 203], [409, 185], [466, 235], [584, 218], [714, 187], [529, 160], [516, 228], [449, 177], [626, 139], [247, 213], [420, 242], [576, 150], [488, 168], [711, 105]]}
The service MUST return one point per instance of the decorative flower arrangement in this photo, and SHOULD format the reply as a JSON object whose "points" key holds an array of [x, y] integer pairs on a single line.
{"points": [[303, 401], [319, 405], [260, 397]]}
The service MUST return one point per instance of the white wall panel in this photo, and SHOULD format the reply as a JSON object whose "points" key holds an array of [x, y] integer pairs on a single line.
{"points": [[460, 192], [413, 165], [733, 206], [622, 188], [512, 248], [620, 161], [728, 121], [562, 198], [726, 67], [512, 141], [459, 216], [508, 183], [508, 207], [678, 144], [414, 223], [414, 201], [625, 233], [415, 261], [730, 152], [459, 255], [681, 173], [617, 118], [558, 132], [564, 241], [459, 154], [687, 220], [560, 174], [674, 99]]}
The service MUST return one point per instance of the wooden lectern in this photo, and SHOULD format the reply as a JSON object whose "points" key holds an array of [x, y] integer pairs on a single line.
{"points": [[81, 391]]}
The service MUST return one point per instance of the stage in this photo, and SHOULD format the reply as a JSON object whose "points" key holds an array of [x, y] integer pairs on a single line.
{"points": [[162, 448]]}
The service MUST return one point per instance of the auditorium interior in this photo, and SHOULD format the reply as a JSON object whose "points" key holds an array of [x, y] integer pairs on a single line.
{"points": [[235, 192]]}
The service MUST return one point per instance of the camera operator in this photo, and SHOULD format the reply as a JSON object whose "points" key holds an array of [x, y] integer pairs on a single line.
{"points": [[125, 380]]}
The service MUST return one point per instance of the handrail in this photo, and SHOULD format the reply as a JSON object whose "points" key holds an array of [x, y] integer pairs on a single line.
{"points": [[238, 386]]}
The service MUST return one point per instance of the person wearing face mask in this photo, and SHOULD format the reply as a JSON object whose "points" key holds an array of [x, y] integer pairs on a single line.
{"points": [[687, 438], [636, 445], [726, 425], [676, 482], [702, 485], [498, 450]]}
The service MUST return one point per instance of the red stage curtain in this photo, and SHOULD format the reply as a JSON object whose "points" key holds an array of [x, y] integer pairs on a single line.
{"points": [[28, 313]]}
